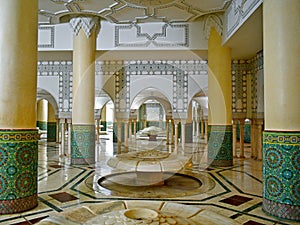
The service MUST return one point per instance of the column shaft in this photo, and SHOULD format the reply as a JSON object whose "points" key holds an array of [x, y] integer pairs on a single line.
{"points": [[83, 130], [18, 79], [281, 138], [219, 100]]}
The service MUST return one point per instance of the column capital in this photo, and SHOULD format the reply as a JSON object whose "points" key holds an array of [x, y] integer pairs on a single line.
{"points": [[213, 21], [86, 23]]}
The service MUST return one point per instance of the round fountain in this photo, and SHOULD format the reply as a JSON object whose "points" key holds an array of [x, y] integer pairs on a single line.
{"points": [[150, 166], [151, 174]]}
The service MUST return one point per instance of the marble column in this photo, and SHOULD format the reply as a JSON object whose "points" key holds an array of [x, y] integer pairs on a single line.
{"points": [[134, 129], [242, 146], [197, 128], [51, 124], [172, 131], [98, 129], [281, 137], [83, 122], [206, 130], [176, 122], [18, 79], [62, 134], [130, 130], [119, 136], [220, 102], [103, 119], [234, 127], [202, 129], [125, 136], [253, 140], [57, 130], [183, 133], [167, 132], [69, 124]]}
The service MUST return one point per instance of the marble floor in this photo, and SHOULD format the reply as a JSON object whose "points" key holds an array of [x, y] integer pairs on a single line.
{"points": [[234, 192]]}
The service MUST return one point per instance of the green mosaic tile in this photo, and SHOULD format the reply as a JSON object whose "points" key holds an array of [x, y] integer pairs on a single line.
{"points": [[82, 143], [18, 169], [220, 144], [281, 177]]}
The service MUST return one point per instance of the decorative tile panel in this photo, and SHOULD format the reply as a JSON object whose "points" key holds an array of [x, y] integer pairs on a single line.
{"points": [[122, 91], [83, 144], [220, 145], [239, 71], [64, 70], [180, 91], [281, 177], [49, 31], [257, 83], [144, 39], [18, 170]]}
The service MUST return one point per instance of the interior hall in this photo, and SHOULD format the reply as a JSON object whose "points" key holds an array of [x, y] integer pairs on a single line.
{"points": [[149, 112]]}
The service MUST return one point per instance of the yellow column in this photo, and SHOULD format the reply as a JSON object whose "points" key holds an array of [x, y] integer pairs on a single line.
{"points": [[18, 79], [281, 138], [219, 99], [83, 125], [42, 114]]}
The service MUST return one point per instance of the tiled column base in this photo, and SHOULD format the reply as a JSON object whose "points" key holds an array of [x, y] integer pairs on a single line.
{"points": [[281, 177], [188, 132], [220, 145], [42, 125], [18, 170], [83, 144], [51, 131]]}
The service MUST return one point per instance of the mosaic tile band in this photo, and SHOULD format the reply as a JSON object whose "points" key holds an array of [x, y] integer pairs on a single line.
{"points": [[281, 177], [18, 170], [42, 125], [51, 131], [220, 145], [83, 144]]}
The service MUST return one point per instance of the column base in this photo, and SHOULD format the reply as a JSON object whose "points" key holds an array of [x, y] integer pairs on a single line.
{"points": [[18, 170], [220, 145], [290, 212], [83, 144], [281, 165]]}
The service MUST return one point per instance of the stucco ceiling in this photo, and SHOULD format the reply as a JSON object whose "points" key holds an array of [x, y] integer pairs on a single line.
{"points": [[129, 11]]}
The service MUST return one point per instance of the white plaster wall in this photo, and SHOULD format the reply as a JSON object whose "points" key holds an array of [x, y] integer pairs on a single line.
{"points": [[50, 84], [63, 37], [164, 84]]}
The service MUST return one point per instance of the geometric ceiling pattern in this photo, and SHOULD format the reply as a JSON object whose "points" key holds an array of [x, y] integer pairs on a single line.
{"points": [[129, 11]]}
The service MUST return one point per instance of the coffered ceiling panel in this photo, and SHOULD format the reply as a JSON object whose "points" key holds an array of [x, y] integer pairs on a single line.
{"points": [[129, 11]]}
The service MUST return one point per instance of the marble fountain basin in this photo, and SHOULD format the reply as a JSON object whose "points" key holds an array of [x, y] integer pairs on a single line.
{"points": [[150, 166]]}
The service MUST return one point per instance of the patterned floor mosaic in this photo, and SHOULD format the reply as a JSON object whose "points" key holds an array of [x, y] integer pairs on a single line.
{"points": [[236, 194]]}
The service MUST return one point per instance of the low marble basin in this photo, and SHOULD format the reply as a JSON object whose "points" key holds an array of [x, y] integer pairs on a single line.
{"points": [[149, 165]]}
